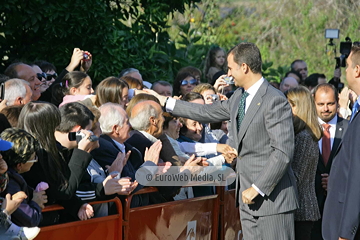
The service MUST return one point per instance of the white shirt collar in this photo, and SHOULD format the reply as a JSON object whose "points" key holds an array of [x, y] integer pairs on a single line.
{"points": [[332, 122], [149, 136]]}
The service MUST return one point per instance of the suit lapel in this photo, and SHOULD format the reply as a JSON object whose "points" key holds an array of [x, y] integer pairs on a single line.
{"points": [[339, 134], [252, 110], [337, 140]]}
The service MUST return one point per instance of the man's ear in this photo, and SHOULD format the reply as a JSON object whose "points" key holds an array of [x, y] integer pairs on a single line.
{"points": [[153, 120], [245, 68], [18, 101], [115, 129], [357, 71]]}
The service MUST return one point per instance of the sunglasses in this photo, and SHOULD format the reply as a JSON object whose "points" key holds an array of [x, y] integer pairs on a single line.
{"points": [[46, 76], [51, 76], [191, 82], [34, 160], [40, 76]]}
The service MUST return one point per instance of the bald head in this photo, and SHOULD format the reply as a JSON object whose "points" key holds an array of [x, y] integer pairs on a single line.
{"points": [[147, 116], [288, 83], [26, 72]]}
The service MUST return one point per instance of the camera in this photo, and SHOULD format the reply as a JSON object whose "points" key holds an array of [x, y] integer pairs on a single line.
{"points": [[77, 136], [86, 56], [345, 49], [229, 80]]}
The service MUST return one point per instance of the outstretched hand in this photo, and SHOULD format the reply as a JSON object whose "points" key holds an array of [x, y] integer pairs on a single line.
{"points": [[119, 162], [153, 153], [76, 57]]}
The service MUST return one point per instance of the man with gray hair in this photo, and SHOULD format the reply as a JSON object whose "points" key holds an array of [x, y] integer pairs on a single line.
{"points": [[147, 121], [17, 92], [115, 127]]}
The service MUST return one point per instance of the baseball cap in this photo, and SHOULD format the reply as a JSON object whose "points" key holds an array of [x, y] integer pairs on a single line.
{"points": [[5, 145]]}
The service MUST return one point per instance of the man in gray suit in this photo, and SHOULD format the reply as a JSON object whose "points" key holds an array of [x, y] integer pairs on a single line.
{"points": [[262, 131]]}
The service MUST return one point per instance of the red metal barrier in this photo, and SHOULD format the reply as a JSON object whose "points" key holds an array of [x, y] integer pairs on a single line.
{"points": [[104, 228], [230, 226], [210, 217], [196, 218]]}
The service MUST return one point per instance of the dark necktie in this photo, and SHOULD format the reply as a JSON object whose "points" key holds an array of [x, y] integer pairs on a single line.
{"points": [[241, 111], [354, 110], [326, 144]]}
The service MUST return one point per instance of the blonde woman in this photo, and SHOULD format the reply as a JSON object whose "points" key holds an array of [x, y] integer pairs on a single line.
{"points": [[306, 154]]}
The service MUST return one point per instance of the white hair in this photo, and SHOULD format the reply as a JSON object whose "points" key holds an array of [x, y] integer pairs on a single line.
{"points": [[141, 120], [15, 88], [111, 114]]}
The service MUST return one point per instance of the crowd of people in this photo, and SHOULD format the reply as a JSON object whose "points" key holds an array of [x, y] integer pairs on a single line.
{"points": [[64, 141]]}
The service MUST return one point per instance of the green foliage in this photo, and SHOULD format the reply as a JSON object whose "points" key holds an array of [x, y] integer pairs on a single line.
{"points": [[118, 34], [160, 37], [274, 74]]}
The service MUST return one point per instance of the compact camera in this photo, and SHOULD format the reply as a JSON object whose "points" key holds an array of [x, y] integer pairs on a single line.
{"points": [[229, 80], [77, 136], [86, 56], [214, 97]]}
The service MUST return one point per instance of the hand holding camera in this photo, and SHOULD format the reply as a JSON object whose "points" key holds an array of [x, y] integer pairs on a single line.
{"points": [[86, 61], [87, 141]]}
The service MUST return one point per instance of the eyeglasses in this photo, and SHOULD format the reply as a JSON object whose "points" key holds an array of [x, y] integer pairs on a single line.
{"points": [[191, 81], [34, 160], [51, 76], [40, 76]]}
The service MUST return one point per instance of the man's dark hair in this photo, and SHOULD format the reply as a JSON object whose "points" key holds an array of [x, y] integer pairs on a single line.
{"points": [[249, 54], [73, 114], [326, 87], [294, 62], [163, 83], [11, 72], [45, 66], [312, 80]]}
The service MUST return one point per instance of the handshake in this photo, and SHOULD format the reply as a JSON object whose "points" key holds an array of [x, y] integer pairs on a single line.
{"points": [[229, 153]]}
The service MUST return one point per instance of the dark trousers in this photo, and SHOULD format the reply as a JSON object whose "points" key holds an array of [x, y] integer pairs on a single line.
{"points": [[303, 230]]}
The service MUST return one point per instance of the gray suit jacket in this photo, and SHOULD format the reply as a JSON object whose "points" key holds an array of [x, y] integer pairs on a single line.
{"points": [[265, 143]]}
